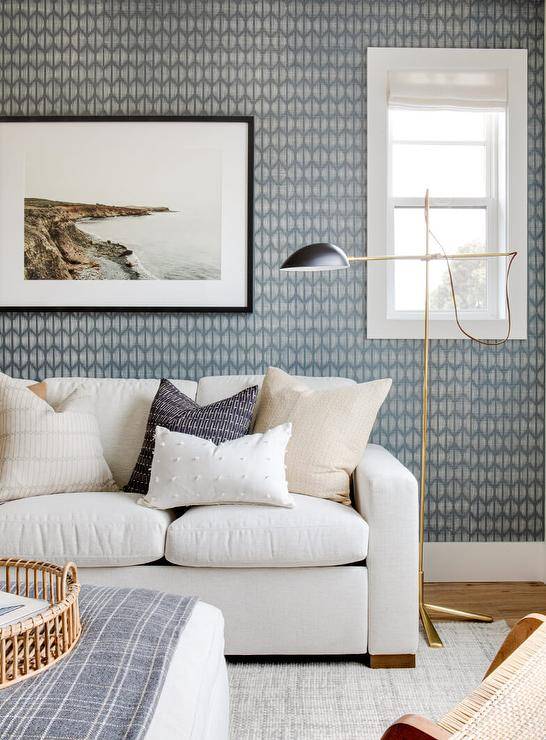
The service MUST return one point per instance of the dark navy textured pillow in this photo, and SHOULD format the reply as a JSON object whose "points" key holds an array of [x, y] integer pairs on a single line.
{"points": [[221, 421]]}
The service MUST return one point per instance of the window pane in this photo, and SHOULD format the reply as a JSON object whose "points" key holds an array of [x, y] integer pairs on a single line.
{"points": [[458, 230], [442, 125], [446, 170]]}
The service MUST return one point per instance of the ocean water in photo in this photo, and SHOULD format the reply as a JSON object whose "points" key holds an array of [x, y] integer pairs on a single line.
{"points": [[168, 246]]}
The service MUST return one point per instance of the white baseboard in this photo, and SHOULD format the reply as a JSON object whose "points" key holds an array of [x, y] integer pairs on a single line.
{"points": [[485, 561]]}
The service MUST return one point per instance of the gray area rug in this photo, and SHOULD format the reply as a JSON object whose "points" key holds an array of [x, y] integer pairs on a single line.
{"points": [[348, 701]]}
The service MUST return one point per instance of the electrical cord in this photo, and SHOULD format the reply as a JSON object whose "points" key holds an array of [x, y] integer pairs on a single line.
{"points": [[487, 342]]}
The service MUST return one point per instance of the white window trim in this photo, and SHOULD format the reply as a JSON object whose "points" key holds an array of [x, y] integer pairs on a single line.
{"points": [[380, 61]]}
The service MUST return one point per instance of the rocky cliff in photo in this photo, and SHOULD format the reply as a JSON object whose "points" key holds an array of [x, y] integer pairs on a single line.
{"points": [[55, 249]]}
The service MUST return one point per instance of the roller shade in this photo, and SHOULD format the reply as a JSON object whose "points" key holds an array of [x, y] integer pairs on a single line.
{"points": [[480, 90]]}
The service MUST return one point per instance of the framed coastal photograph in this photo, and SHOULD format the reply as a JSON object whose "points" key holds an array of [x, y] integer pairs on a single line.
{"points": [[126, 213]]}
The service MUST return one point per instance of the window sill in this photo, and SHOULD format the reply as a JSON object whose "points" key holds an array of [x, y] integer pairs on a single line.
{"points": [[444, 329]]}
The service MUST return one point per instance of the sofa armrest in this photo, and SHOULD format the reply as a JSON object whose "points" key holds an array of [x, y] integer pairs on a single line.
{"points": [[386, 495]]}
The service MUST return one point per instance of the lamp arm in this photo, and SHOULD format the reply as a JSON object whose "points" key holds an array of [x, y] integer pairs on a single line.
{"points": [[428, 257]]}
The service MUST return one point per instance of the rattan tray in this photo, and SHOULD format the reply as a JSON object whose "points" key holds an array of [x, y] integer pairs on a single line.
{"points": [[38, 642]]}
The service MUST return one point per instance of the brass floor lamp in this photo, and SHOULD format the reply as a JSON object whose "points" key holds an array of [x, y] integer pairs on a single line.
{"points": [[325, 256]]}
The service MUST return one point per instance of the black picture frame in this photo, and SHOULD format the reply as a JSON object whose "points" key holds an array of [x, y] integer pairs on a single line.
{"points": [[248, 307]]}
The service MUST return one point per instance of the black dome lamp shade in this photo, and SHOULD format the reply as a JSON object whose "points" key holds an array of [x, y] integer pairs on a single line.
{"points": [[316, 257]]}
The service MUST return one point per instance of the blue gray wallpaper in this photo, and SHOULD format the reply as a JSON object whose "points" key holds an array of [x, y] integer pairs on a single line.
{"points": [[299, 68]]}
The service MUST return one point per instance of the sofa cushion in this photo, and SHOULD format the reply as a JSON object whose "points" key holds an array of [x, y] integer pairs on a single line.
{"points": [[92, 529], [122, 407], [315, 532], [213, 388]]}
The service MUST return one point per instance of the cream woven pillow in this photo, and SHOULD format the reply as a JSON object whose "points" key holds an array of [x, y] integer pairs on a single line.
{"points": [[330, 430], [45, 450]]}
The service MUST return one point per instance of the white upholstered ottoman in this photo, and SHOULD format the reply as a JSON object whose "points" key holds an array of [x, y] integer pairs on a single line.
{"points": [[194, 702]]}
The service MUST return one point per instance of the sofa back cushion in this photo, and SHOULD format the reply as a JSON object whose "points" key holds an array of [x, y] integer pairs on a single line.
{"points": [[212, 388], [122, 407]]}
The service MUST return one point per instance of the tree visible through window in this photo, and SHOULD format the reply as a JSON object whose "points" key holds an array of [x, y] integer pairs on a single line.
{"points": [[469, 279]]}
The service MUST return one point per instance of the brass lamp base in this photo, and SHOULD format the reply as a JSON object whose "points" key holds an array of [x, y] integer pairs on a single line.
{"points": [[433, 638], [325, 256]]}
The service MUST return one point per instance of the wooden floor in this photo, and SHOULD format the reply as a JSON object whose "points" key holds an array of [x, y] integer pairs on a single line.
{"points": [[509, 601]]}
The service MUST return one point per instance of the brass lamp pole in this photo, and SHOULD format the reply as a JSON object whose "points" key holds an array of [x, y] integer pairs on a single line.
{"points": [[324, 256]]}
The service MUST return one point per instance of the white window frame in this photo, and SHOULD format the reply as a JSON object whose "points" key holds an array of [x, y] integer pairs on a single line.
{"points": [[507, 216]]}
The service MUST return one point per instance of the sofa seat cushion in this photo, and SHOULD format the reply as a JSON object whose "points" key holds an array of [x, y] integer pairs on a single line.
{"points": [[315, 532], [92, 529]]}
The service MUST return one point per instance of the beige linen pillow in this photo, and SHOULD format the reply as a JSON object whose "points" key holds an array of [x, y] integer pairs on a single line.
{"points": [[330, 430], [45, 450]]}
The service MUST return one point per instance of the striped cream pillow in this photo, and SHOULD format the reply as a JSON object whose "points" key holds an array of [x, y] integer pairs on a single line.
{"points": [[45, 450]]}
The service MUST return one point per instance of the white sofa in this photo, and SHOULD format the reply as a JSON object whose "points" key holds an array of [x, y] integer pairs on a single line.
{"points": [[318, 579]]}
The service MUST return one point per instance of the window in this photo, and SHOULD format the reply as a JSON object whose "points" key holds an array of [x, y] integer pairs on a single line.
{"points": [[456, 155], [439, 120]]}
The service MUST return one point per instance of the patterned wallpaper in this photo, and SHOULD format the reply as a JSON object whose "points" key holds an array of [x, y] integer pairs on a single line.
{"points": [[299, 68]]}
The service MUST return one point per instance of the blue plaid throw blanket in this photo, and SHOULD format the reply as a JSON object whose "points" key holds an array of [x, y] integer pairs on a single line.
{"points": [[109, 686]]}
